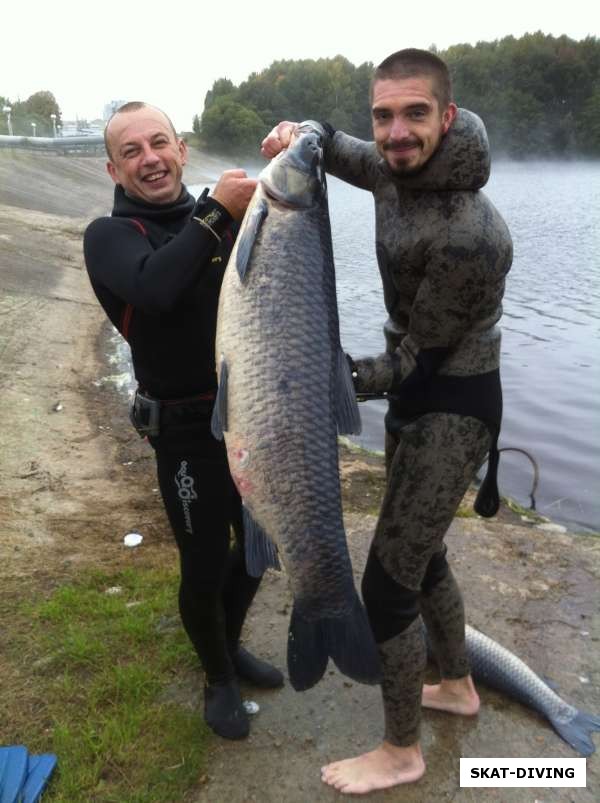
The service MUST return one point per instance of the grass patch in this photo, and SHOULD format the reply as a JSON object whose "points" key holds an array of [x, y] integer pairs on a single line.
{"points": [[527, 512], [90, 670], [465, 512]]}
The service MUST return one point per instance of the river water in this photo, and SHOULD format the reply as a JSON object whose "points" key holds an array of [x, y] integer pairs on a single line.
{"points": [[551, 327]]}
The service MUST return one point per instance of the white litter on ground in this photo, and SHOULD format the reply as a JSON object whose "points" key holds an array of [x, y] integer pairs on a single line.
{"points": [[133, 539]]}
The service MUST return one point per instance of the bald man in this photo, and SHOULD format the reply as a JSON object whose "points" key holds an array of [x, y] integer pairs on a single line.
{"points": [[156, 266]]}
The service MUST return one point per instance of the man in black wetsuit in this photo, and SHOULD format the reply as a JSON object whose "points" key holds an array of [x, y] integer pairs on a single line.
{"points": [[156, 266], [443, 252]]}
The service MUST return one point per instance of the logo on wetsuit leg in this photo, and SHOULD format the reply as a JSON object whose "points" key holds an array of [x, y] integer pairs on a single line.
{"points": [[187, 494]]}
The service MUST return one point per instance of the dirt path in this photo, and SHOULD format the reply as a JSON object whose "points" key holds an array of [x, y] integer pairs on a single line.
{"points": [[74, 478]]}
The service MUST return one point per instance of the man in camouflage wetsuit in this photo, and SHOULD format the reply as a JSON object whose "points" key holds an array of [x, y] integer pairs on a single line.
{"points": [[443, 252]]}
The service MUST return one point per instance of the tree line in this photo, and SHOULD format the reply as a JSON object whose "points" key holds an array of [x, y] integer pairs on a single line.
{"points": [[37, 109], [538, 95]]}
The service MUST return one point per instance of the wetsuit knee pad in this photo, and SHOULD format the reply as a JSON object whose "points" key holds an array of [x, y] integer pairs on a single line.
{"points": [[391, 606], [437, 570]]}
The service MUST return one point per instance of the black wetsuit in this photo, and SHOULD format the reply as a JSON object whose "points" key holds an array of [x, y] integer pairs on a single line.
{"points": [[157, 273]]}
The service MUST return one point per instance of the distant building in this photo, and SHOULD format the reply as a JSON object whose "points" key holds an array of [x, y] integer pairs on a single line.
{"points": [[111, 107], [78, 128]]}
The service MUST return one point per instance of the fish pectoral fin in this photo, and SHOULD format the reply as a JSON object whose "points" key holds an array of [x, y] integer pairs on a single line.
{"points": [[261, 552], [348, 640], [218, 421], [347, 412], [248, 236]]}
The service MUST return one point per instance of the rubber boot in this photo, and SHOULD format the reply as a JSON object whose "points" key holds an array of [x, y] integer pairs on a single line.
{"points": [[255, 671], [224, 711]]}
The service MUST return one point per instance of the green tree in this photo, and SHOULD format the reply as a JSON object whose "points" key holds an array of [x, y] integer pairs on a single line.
{"points": [[538, 94], [589, 125], [222, 87], [228, 126], [38, 109]]}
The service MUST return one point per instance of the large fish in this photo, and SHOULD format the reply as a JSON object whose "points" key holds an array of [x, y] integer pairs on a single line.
{"points": [[497, 667], [285, 391]]}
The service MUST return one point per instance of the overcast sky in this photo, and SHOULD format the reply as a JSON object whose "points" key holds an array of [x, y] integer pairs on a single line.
{"points": [[169, 54]]}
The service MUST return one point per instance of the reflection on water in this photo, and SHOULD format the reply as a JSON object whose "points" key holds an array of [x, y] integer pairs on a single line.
{"points": [[551, 331]]}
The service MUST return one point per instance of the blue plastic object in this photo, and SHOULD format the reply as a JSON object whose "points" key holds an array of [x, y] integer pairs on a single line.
{"points": [[13, 771], [39, 769], [23, 777]]}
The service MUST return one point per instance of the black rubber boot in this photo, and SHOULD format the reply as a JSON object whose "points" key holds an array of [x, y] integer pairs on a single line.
{"points": [[256, 671], [224, 711]]}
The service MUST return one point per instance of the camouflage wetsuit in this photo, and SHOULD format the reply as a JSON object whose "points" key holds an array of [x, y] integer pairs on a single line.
{"points": [[443, 252]]}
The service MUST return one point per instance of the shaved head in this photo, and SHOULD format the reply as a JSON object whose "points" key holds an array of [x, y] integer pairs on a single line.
{"points": [[132, 106]]}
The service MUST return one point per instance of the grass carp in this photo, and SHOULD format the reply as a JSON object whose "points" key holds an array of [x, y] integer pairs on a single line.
{"points": [[497, 667], [285, 391]]}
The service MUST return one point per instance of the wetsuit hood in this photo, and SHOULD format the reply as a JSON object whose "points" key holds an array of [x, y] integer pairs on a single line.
{"points": [[128, 206], [462, 161]]}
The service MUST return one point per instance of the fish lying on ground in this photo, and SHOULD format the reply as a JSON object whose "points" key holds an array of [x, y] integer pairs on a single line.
{"points": [[285, 391], [497, 667]]}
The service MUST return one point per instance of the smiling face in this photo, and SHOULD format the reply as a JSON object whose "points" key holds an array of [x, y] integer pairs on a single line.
{"points": [[146, 157], [408, 123]]}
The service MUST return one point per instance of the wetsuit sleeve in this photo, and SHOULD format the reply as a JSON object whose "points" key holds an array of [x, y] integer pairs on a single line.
{"points": [[461, 292], [353, 160], [120, 257]]}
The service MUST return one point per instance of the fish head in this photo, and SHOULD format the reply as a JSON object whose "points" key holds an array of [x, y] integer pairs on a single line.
{"points": [[296, 176]]}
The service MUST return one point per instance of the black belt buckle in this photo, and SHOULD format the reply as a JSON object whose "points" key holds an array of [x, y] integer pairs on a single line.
{"points": [[144, 413]]}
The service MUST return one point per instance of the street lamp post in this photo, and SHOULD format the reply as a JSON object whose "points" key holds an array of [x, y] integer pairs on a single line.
{"points": [[34, 126], [7, 110], [53, 118]]}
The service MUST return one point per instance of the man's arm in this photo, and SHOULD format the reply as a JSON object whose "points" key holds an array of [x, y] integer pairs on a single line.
{"points": [[120, 257]]}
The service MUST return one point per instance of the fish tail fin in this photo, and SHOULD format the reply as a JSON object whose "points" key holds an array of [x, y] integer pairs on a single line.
{"points": [[577, 731], [352, 646], [347, 412], [348, 640], [218, 422], [261, 552], [307, 655]]}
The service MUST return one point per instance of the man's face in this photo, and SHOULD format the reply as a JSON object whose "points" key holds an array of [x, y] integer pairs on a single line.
{"points": [[408, 123], [147, 158]]}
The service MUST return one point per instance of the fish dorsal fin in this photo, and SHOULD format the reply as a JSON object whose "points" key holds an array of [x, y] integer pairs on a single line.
{"points": [[248, 236], [347, 412]]}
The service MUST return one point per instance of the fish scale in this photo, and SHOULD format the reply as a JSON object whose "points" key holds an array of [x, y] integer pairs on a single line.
{"points": [[285, 392]]}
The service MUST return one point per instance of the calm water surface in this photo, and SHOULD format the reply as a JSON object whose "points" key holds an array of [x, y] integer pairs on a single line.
{"points": [[551, 327]]}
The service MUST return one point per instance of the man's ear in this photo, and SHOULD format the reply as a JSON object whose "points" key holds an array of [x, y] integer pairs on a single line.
{"points": [[448, 117], [112, 171], [183, 150]]}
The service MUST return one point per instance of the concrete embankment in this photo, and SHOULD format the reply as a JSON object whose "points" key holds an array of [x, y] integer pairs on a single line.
{"points": [[74, 478]]}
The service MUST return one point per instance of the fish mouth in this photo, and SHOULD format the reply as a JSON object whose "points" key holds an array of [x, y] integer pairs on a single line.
{"points": [[293, 185]]}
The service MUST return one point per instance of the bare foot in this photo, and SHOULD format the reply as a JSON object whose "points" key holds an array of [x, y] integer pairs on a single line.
{"points": [[455, 696], [383, 767]]}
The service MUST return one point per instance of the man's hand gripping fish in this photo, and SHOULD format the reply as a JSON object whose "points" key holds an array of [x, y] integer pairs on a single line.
{"points": [[285, 391]]}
